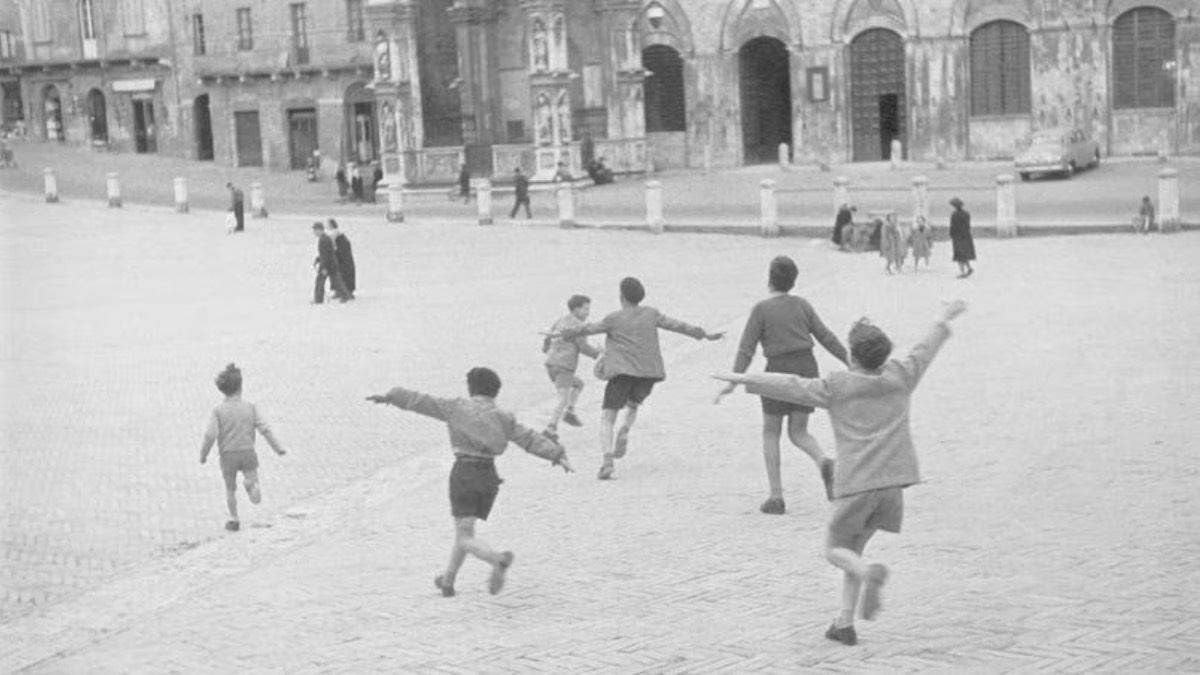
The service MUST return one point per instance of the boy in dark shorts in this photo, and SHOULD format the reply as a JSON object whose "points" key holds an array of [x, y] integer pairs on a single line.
{"points": [[869, 408], [231, 427], [562, 358], [479, 432], [632, 363]]}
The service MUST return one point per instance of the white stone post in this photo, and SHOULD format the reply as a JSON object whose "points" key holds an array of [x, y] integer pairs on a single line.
{"points": [[1168, 201], [769, 207], [654, 206], [920, 199], [566, 205], [785, 161], [51, 185], [897, 152], [181, 195], [1006, 206], [395, 193], [841, 193], [483, 200], [258, 205], [114, 190]]}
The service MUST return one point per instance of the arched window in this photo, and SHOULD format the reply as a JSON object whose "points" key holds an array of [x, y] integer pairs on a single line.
{"points": [[1144, 59], [1000, 69], [666, 108]]}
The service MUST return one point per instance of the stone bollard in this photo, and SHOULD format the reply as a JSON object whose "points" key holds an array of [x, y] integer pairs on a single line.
{"points": [[114, 190], [51, 185], [1168, 201], [1006, 206], [395, 193], [769, 207], [654, 206], [785, 159], [920, 198], [181, 195], [841, 193], [566, 205], [897, 153], [483, 200], [258, 206]]}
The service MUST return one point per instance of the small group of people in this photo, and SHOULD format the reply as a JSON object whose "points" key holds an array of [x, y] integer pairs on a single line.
{"points": [[893, 241], [352, 187], [334, 263]]}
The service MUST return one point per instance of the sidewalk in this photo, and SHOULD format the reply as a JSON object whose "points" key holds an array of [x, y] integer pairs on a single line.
{"points": [[1055, 529]]}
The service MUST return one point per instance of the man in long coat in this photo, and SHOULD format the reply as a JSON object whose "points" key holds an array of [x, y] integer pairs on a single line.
{"points": [[326, 265], [961, 239], [345, 257]]}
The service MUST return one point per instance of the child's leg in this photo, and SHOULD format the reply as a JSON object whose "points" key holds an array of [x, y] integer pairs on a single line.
{"points": [[573, 395], [771, 431], [608, 418], [621, 439], [564, 403], [250, 480], [231, 502], [798, 434], [849, 559]]}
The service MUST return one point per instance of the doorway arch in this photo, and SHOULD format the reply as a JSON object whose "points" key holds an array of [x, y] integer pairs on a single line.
{"points": [[97, 116], [766, 96], [52, 113], [666, 98], [360, 125], [202, 122], [878, 104]]}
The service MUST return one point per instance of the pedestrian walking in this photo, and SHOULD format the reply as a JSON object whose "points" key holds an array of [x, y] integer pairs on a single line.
{"points": [[376, 179], [520, 193], [1144, 220], [232, 426], [326, 265], [869, 409], [845, 216], [356, 184], [464, 183], [787, 327], [960, 238], [562, 358], [343, 185], [921, 240], [237, 204], [479, 432], [892, 246], [7, 160], [344, 253], [632, 363]]}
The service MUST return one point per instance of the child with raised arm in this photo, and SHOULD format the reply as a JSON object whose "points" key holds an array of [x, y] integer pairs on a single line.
{"points": [[869, 408], [562, 358], [231, 426], [632, 363], [479, 432]]}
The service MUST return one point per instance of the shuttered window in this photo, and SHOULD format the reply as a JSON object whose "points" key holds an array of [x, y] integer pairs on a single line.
{"points": [[1000, 69], [1144, 59]]}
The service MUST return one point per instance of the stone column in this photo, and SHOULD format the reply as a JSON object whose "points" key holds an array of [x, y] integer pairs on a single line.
{"points": [[1006, 206], [920, 199], [114, 190], [566, 206], [1168, 201], [549, 88], [475, 28], [258, 204], [397, 86], [181, 195], [51, 182], [483, 200], [841, 193], [395, 193], [654, 206], [769, 207]]}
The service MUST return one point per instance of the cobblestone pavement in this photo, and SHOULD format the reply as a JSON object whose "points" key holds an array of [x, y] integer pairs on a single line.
{"points": [[1056, 529], [1108, 196]]}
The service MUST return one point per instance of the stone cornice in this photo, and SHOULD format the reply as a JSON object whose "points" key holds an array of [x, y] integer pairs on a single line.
{"points": [[472, 15]]}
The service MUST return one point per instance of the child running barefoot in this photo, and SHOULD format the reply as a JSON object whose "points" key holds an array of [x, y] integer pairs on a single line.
{"points": [[633, 363], [231, 427], [562, 358], [479, 432], [869, 408]]}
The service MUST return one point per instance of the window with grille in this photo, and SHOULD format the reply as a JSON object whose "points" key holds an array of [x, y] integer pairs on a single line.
{"points": [[665, 104], [299, 32], [198, 46], [356, 31], [1144, 59], [245, 30], [1000, 69]]}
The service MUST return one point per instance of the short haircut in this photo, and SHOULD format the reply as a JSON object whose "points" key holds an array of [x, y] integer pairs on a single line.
{"points": [[483, 382], [333, 224], [783, 273], [869, 345], [318, 226], [632, 290], [578, 301], [229, 381]]}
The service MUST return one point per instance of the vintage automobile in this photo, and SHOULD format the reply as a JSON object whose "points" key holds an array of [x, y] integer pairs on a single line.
{"points": [[1058, 151]]}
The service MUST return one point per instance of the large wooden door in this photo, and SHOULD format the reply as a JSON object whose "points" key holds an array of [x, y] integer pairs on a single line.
{"points": [[302, 136], [249, 138], [766, 93], [877, 93]]}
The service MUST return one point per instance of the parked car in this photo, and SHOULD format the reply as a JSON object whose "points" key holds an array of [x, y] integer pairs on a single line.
{"points": [[1058, 151]]}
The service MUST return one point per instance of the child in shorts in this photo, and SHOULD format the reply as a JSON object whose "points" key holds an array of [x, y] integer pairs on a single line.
{"points": [[562, 358], [479, 432], [231, 426], [869, 408], [632, 363]]}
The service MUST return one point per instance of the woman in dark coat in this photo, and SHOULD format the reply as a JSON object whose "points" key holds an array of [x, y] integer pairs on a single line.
{"points": [[960, 237], [845, 216]]}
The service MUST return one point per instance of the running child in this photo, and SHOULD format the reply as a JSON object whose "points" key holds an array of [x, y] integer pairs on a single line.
{"points": [[869, 408], [562, 358], [231, 426], [479, 432], [921, 240], [632, 363]]}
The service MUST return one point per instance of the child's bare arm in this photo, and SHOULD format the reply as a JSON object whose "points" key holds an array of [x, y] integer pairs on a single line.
{"points": [[210, 437], [260, 423]]}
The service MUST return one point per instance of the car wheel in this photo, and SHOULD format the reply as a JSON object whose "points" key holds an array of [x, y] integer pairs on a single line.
{"points": [[1024, 175]]}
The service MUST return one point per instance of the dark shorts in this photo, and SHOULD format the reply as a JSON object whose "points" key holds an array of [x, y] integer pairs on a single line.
{"points": [[233, 462], [626, 389], [859, 515], [473, 488], [563, 378], [801, 363]]}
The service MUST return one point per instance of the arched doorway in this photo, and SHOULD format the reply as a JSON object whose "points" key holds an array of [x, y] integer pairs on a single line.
{"points": [[202, 122], [97, 116], [666, 102], [878, 106], [359, 129], [52, 113], [766, 90]]}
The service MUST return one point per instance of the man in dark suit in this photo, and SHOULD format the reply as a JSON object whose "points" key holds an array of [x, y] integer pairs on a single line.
{"points": [[327, 267], [237, 204], [521, 193], [345, 257]]}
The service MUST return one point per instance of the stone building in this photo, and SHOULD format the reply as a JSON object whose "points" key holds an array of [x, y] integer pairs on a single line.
{"points": [[12, 53]]}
